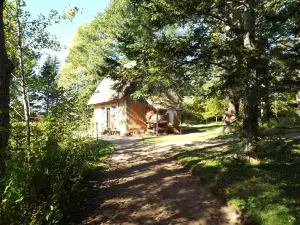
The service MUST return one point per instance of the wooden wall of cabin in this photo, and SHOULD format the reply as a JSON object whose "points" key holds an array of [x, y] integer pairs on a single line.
{"points": [[136, 116], [122, 116]]}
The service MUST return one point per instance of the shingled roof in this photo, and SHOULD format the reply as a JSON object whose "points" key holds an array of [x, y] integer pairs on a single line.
{"points": [[166, 100], [105, 92]]}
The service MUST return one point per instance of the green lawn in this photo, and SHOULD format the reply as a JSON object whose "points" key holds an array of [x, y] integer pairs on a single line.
{"points": [[268, 192], [193, 133], [211, 131]]}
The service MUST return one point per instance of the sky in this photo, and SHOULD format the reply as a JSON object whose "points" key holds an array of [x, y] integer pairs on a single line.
{"points": [[65, 30]]}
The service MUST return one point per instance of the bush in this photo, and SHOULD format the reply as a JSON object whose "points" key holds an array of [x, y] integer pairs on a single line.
{"points": [[192, 113], [40, 181]]}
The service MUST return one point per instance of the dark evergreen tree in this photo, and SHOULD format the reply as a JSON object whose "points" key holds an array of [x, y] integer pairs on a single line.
{"points": [[49, 93], [5, 77]]}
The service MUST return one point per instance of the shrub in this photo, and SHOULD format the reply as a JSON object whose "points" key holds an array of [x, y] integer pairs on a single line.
{"points": [[40, 181]]}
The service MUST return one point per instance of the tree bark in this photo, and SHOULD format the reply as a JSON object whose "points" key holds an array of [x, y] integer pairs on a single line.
{"points": [[237, 108], [22, 75], [6, 67], [250, 122], [47, 101], [298, 102], [263, 46]]}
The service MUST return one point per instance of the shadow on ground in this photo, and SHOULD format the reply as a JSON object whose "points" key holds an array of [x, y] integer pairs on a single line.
{"points": [[267, 192], [143, 185], [200, 128]]}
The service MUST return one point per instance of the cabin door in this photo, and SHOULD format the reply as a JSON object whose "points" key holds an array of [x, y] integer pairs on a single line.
{"points": [[108, 117], [100, 118]]}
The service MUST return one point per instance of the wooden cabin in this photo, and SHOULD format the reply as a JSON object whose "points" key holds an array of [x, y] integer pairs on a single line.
{"points": [[116, 113]]}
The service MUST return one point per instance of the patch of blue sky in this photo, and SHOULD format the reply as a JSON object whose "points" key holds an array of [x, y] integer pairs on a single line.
{"points": [[66, 30]]}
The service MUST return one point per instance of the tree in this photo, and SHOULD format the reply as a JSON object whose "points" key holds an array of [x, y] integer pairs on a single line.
{"points": [[247, 49], [22, 75], [27, 38], [80, 75], [6, 67], [214, 108], [50, 92], [241, 41]]}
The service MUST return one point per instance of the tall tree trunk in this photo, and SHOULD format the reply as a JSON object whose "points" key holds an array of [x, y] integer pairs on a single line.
{"points": [[250, 123], [234, 94], [47, 98], [237, 108], [26, 111], [22, 75], [266, 78], [6, 67], [234, 100], [298, 102]]}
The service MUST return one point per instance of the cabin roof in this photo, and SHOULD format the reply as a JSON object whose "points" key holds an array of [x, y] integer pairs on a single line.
{"points": [[166, 100], [105, 92]]}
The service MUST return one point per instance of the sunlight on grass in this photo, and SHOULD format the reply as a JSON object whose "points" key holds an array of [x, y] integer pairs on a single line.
{"points": [[268, 192], [193, 133], [211, 131], [101, 152]]}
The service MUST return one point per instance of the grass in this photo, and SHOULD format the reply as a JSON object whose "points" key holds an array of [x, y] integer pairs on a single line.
{"points": [[287, 130], [100, 152], [193, 133], [212, 131], [267, 192]]}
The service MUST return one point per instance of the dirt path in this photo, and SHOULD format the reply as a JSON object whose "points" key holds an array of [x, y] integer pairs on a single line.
{"points": [[143, 184]]}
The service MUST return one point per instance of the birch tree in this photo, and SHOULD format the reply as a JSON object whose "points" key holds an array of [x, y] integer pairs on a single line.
{"points": [[28, 38]]}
